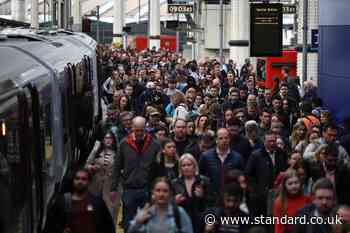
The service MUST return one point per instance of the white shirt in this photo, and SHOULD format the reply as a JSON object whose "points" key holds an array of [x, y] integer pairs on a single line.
{"points": [[223, 156], [272, 156]]}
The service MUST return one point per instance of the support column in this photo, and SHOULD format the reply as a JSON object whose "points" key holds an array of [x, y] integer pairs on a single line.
{"points": [[312, 57], [239, 44], [67, 13], [34, 14], [154, 20], [53, 12], [118, 22], [59, 14], [18, 10], [77, 19]]}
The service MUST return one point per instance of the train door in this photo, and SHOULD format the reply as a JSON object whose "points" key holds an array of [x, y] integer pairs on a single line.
{"points": [[38, 195], [31, 141], [20, 176], [78, 109], [15, 181], [83, 103]]}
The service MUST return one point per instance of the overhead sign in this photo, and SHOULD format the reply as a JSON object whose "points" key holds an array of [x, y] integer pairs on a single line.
{"points": [[289, 9], [170, 2], [266, 30], [314, 38], [180, 9]]}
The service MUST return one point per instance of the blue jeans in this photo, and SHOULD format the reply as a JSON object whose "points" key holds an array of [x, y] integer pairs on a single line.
{"points": [[132, 199]]}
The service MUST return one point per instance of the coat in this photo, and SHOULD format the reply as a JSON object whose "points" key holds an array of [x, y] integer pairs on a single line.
{"points": [[210, 165], [136, 164], [308, 211], [59, 214], [342, 174], [194, 205], [262, 173], [169, 220]]}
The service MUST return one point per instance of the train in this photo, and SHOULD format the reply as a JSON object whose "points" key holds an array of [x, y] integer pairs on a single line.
{"points": [[49, 106]]}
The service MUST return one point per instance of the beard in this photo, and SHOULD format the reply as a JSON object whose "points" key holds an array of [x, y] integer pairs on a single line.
{"points": [[80, 189]]}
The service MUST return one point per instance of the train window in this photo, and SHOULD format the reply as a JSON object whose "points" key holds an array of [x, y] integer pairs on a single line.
{"points": [[4, 163], [15, 151], [80, 77], [45, 126], [7, 191], [11, 139]]}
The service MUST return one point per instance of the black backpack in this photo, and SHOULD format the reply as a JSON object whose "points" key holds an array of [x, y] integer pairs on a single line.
{"points": [[177, 217]]}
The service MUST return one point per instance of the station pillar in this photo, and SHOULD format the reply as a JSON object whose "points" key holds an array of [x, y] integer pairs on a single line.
{"points": [[154, 28], [118, 22], [18, 10], [239, 43]]}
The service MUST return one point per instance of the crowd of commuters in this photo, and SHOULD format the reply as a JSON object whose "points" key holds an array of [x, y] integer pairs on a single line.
{"points": [[182, 139]]}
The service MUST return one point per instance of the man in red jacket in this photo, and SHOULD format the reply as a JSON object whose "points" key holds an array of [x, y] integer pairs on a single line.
{"points": [[133, 168]]}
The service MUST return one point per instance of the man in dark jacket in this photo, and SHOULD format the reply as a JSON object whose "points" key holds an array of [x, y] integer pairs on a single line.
{"points": [[232, 102], [292, 84], [263, 166], [198, 147], [232, 196], [137, 155], [180, 138], [321, 208], [238, 142], [79, 211], [216, 161], [333, 169]]}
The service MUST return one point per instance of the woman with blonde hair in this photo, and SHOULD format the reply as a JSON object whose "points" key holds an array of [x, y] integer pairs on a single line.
{"points": [[319, 153], [299, 134], [312, 136], [192, 190]]}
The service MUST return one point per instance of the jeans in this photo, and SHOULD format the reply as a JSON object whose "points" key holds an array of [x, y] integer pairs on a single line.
{"points": [[132, 199]]}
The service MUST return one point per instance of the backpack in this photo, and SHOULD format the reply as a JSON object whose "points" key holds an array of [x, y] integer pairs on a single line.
{"points": [[177, 217], [67, 197]]}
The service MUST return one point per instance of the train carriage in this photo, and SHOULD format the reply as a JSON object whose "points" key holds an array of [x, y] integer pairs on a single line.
{"points": [[48, 107]]}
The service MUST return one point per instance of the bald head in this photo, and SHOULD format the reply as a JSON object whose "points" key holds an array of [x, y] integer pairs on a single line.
{"points": [[139, 121], [223, 139], [138, 128]]}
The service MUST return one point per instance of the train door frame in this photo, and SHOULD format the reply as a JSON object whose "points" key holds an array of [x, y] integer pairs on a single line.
{"points": [[19, 136], [70, 78], [14, 148], [30, 97]]}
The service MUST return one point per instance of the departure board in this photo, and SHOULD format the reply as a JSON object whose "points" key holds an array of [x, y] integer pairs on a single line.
{"points": [[266, 30], [180, 7]]}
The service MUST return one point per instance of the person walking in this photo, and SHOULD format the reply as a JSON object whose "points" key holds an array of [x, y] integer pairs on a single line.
{"points": [[133, 168]]}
